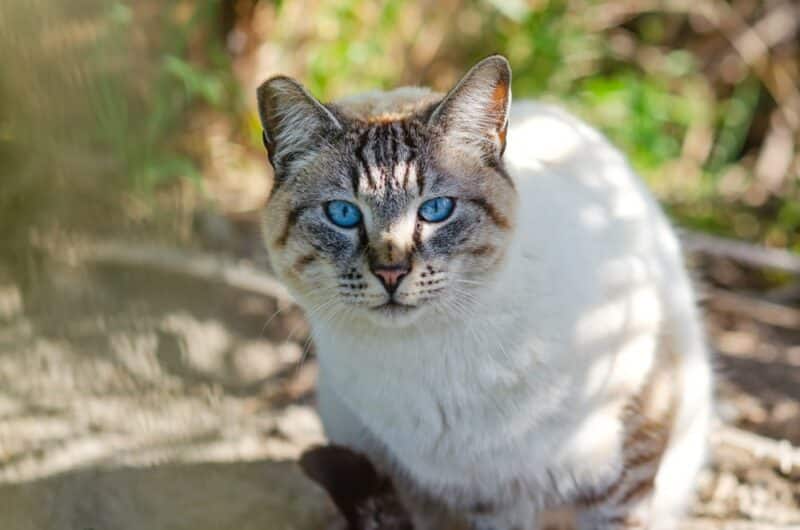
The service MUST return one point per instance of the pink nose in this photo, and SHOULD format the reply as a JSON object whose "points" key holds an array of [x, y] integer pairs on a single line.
{"points": [[390, 275]]}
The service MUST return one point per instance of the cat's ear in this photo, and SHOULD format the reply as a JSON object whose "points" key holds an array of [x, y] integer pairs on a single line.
{"points": [[474, 114], [293, 120]]}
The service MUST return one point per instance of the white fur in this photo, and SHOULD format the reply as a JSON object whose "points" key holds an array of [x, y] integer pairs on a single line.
{"points": [[527, 392]]}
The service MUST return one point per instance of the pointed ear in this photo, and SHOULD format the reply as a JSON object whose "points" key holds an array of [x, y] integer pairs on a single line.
{"points": [[474, 114], [292, 119]]}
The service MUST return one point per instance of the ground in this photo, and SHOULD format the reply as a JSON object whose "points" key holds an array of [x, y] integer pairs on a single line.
{"points": [[132, 397]]}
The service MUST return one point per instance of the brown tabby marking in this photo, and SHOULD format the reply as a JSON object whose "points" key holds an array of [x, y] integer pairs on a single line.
{"points": [[497, 218], [483, 250], [648, 419], [639, 489], [304, 262], [291, 220]]}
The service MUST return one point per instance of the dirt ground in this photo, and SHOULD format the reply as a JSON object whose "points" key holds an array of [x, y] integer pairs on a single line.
{"points": [[133, 398]]}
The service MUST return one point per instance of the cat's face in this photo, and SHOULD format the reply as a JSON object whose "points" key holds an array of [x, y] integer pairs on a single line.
{"points": [[389, 220]]}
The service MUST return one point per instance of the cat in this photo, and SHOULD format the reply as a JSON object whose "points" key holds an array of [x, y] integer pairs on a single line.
{"points": [[503, 318]]}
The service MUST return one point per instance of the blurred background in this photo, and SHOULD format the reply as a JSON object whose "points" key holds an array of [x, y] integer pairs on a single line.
{"points": [[138, 324], [143, 112]]}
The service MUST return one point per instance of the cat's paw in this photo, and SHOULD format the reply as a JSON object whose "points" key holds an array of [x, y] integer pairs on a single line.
{"points": [[365, 498]]}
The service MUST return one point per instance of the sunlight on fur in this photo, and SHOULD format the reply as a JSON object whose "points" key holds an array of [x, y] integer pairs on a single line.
{"points": [[535, 347]]}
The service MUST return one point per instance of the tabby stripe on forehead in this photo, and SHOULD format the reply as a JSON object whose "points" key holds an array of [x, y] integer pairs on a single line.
{"points": [[389, 145], [355, 179], [409, 141], [400, 153], [496, 217], [398, 136], [403, 153], [385, 154], [361, 154], [406, 137], [420, 176], [291, 220]]}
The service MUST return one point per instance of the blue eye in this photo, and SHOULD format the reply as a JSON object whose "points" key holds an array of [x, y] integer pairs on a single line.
{"points": [[437, 210], [343, 213]]}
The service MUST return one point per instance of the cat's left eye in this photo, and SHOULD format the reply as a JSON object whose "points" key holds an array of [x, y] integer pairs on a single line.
{"points": [[436, 210], [343, 213]]}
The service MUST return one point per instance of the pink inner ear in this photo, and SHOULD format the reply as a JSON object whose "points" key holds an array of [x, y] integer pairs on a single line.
{"points": [[500, 97], [499, 108]]}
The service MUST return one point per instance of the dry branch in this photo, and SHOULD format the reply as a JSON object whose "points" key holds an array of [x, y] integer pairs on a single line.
{"points": [[742, 252], [717, 524], [751, 42], [763, 311]]}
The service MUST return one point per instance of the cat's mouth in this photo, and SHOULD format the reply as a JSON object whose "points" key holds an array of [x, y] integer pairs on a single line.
{"points": [[394, 314], [393, 307]]}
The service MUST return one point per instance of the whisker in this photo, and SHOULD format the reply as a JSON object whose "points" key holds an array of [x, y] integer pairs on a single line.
{"points": [[469, 282]]}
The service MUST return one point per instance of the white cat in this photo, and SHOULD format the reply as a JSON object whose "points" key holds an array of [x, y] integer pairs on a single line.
{"points": [[501, 310]]}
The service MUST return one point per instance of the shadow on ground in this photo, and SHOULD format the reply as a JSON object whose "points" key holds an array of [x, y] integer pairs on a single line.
{"points": [[256, 495], [134, 399]]}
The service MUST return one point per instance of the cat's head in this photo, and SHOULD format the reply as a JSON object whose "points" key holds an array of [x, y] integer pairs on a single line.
{"points": [[389, 217]]}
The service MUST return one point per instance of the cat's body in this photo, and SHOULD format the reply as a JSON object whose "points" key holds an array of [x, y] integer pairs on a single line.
{"points": [[564, 361]]}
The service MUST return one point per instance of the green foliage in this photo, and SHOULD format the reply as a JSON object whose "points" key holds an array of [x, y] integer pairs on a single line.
{"points": [[654, 84], [648, 81], [142, 128]]}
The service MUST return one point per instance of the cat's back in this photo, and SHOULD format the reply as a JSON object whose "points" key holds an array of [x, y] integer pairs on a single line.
{"points": [[578, 193], [594, 257]]}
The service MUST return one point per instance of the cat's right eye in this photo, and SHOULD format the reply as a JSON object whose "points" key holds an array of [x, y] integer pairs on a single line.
{"points": [[343, 213]]}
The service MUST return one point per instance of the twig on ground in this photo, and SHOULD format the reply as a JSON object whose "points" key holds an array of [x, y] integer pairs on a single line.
{"points": [[727, 524], [780, 455]]}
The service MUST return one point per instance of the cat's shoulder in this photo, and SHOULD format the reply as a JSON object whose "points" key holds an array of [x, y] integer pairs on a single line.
{"points": [[542, 123], [545, 134]]}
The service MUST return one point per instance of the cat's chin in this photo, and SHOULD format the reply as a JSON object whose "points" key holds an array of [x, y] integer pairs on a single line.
{"points": [[394, 315]]}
